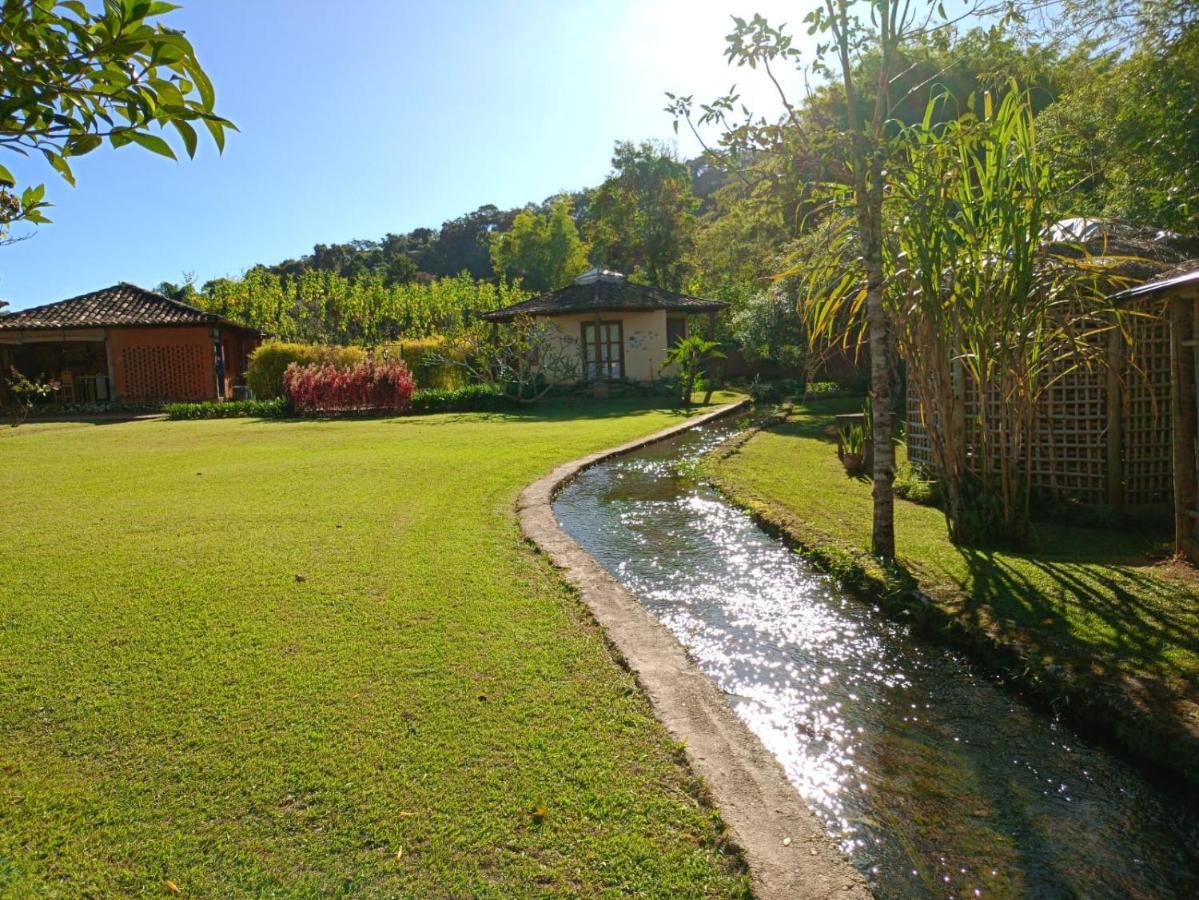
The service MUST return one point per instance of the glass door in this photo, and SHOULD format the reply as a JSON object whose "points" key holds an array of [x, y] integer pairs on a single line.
{"points": [[603, 350]]}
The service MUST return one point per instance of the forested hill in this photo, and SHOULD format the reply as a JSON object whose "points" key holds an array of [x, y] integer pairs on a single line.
{"points": [[460, 245]]}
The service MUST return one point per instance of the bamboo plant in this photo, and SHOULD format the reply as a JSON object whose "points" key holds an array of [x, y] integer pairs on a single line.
{"points": [[987, 312]]}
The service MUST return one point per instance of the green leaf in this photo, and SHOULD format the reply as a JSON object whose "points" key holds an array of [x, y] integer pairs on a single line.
{"points": [[188, 134], [60, 166], [77, 7], [6, 177], [153, 143], [217, 130], [204, 86], [83, 144]]}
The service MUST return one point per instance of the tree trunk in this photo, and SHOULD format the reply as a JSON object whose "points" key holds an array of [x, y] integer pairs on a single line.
{"points": [[882, 536]]}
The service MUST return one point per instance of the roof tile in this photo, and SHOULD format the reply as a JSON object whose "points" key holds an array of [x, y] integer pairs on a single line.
{"points": [[604, 295], [120, 305]]}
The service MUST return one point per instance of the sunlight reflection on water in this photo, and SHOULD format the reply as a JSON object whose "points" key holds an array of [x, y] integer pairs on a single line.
{"points": [[935, 782]]}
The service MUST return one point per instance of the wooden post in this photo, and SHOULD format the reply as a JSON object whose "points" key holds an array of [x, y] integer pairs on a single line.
{"points": [[1183, 415], [599, 349], [1115, 418], [711, 325], [218, 363], [111, 363]]}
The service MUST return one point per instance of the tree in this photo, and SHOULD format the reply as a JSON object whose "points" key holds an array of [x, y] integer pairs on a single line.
{"points": [[541, 250], [74, 79], [1111, 24], [184, 291], [768, 328], [1127, 132], [691, 354], [520, 360], [859, 50], [988, 314], [642, 218]]}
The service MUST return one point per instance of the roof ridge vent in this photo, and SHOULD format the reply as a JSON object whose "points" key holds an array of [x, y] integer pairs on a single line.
{"points": [[591, 276]]}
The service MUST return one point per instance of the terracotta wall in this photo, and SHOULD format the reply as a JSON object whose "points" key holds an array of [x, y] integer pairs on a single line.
{"points": [[163, 363]]}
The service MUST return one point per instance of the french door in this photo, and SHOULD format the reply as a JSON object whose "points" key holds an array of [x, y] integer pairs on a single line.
{"points": [[603, 350]]}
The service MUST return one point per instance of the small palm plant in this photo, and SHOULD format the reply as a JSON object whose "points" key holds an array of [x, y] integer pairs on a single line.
{"points": [[852, 448], [691, 354]]}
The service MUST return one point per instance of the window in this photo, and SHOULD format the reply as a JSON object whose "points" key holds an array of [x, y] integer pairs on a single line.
{"points": [[676, 330], [603, 350]]}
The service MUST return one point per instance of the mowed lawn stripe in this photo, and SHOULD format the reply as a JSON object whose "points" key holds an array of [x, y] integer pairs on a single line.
{"points": [[175, 704]]}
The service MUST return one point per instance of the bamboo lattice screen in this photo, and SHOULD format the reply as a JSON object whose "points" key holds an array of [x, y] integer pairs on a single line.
{"points": [[1072, 457]]}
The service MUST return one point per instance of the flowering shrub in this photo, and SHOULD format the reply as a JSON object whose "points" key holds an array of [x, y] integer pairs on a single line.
{"points": [[369, 385], [24, 391]]}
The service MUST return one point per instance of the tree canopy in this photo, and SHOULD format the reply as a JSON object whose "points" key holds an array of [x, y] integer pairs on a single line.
{"points": [[75, 79], [542, 250], [641, 220]]}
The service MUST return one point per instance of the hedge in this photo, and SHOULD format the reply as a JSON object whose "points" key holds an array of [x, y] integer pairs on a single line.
{"points": [[268, 363], [426, 360], [471, 398], [230, 409], [374, 385]]}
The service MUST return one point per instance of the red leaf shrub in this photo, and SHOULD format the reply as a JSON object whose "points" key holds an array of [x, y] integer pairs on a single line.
{"points": [[370, 385]]}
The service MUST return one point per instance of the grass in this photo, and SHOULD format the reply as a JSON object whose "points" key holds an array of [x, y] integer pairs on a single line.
{"points": [[1087, 601], [301, 658]]}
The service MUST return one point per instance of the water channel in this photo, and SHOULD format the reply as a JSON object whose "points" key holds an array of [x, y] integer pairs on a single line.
{"points": [[935, 781]]}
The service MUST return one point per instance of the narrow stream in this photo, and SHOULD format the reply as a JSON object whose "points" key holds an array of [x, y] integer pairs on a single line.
{"points": [[935, 781]]}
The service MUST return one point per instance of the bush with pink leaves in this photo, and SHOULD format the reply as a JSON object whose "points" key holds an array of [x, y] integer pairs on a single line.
{"points": [[370, 386]]}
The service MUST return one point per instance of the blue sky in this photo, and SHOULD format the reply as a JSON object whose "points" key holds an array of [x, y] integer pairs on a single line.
{"points": [[364, 116]]}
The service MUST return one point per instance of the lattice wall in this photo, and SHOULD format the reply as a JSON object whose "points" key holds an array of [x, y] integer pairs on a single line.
{"points": [[920, 454], [1070, 452], [1069, 456], [1146, 458], [181, 372]]}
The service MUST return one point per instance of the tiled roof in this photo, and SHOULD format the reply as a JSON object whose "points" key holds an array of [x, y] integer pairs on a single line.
{"points": [[604, 292], [113, 307]]}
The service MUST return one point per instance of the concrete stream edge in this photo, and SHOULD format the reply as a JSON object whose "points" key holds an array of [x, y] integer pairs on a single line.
{"points": [[789, 853]]}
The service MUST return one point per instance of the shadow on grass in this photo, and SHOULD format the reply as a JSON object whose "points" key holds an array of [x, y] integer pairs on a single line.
{"points": [[1142, 616], [1081, 593], [79, 419]]}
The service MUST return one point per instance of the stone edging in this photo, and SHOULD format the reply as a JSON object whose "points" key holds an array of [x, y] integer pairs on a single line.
{"points": [[786, 847]]}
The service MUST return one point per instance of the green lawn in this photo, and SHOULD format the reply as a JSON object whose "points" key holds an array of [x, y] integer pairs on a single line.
{"points": [[301, 658], [1085, 598]]}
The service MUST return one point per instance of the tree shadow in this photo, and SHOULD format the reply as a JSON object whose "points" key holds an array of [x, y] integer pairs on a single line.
{"points": [[1025, 597], [9, 426]]}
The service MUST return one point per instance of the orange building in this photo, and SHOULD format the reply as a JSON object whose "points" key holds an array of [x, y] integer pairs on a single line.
{"points": [[129, 344]]}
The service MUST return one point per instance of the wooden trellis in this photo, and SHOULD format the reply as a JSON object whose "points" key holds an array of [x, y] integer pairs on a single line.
{"points": [[1102, 435]]}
